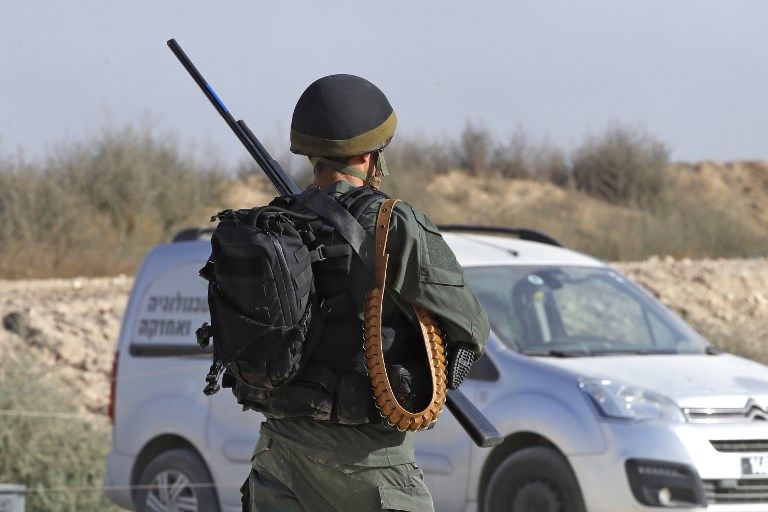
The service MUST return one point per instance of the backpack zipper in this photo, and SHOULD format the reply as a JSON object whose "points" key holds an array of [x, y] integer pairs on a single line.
{"points": [[287, 283]]}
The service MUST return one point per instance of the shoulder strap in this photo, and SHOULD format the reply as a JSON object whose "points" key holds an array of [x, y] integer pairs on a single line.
{"points": [[357, 200], [362, 203], [382, 234], [348, 227], [347, 199]]}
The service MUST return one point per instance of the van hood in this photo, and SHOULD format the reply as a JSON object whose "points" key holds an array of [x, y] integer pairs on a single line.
{"points": [[692, 380]]}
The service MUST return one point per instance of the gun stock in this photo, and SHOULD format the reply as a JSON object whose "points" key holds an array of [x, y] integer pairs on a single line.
{"points": [[474, 422]]}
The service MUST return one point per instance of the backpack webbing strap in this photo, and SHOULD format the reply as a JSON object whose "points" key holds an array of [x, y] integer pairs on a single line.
{"points": [[339, 217], [347, 199], [362, 203], [350, 229]]}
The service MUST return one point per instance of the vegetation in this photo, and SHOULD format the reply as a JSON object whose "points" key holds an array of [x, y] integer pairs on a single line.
{"points": [[617, 197], [96, 207], [59, 459], [623, 166]]}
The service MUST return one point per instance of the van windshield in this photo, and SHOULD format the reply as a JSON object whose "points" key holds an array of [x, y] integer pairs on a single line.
{"points": [[578, 311]]}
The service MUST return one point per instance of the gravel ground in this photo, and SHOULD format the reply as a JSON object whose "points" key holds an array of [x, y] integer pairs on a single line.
{"points": [[69, 326]]}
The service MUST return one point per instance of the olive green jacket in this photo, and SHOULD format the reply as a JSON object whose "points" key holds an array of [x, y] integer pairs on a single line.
{"points": [[422, 271]]}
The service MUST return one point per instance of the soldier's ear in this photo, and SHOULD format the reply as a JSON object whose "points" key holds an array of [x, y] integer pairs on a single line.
{"points": [[360, 159]]}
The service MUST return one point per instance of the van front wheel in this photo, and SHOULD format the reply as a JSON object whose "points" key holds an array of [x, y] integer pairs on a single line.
{"points": [[536, 479], [176, 480]]}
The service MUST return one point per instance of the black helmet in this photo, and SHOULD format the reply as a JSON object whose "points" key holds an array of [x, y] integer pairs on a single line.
{"points": [[340, 116]]}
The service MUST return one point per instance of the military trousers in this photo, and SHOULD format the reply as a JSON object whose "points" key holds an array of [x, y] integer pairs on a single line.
{"points": [[285, 480]]}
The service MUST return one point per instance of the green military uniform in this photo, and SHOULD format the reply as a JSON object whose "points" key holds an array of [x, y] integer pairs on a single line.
{"points": [[324, 447], [301, 464]]}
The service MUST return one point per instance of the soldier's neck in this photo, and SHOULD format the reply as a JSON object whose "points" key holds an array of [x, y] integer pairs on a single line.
{"points": [[326, 177]]}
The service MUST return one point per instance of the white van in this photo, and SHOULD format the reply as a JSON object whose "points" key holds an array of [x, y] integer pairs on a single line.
{"points": [[607, 400]]}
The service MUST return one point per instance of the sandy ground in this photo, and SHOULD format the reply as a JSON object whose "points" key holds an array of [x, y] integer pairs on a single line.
{"points": [[69, 326], [726, 300]]}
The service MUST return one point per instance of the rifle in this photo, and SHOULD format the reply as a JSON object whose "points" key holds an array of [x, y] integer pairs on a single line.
{"points": [[479, 428], [283, 183]]}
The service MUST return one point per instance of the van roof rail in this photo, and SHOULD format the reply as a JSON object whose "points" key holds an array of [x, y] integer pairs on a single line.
{"points": [[190, 234], [530, 235]]}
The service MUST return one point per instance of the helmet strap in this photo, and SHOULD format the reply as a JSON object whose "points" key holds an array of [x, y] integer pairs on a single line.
{"points": [[373, 180], [379, 170], [338, 167]]}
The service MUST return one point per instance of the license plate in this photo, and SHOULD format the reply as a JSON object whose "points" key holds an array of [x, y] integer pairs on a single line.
{"points": [[755, 466]]}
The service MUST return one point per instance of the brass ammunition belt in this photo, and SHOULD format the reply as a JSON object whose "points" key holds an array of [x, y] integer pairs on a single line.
{"points": [[393, 412]]}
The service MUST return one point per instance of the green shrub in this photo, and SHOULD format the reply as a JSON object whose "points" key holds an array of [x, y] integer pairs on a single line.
{"points": [[474, 149], [622, 166], [95, 208], [50, 455]]}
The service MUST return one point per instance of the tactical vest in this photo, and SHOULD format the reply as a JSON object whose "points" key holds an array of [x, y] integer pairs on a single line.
{"points": [[334, 384]]}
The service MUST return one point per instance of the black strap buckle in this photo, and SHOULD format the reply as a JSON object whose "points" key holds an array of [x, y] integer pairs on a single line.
{"points": [[203, 335], [213, 378], [317, 254]]}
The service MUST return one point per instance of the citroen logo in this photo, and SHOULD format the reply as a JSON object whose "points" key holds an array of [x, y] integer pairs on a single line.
{"points": [[750, 412], [754, 412]]}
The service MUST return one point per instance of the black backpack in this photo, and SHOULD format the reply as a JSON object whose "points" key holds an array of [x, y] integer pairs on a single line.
{"points": [[265, 315]]}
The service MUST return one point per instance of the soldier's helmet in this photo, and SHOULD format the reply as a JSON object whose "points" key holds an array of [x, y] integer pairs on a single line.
{"points": [[340, 116]]}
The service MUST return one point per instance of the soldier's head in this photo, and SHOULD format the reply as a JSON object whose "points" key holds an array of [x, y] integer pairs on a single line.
{"points": [[342, 123]]}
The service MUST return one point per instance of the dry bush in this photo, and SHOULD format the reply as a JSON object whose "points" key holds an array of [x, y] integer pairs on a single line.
{"points": [[413, 163], [521, 157], [584, 223], [474, 149], [622, 166], [525, 158], [95, 208], [653, 208], [416, 161], [419, 155]]}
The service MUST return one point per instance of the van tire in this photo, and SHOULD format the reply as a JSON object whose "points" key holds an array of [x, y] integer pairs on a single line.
{"points": [[536, 479], [181, 464]]}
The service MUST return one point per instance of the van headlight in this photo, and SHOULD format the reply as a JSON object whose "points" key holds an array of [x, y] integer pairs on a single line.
{"points": [[619, 401]]}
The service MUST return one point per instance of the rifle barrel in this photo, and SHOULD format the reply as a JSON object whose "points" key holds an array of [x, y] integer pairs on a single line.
{"points": [[273, 169], [275, 173]]}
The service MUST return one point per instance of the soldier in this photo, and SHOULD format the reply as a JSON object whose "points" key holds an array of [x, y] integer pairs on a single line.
{"points": [[307, 460]]}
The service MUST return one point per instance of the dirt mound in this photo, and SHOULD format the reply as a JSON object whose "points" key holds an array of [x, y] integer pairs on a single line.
{"points": [[458, 198], [708, 210], [253, 190], [726, 300], [70, 326], [740, 184]]}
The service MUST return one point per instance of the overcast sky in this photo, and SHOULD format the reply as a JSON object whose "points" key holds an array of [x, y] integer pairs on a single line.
{"points": [[694, 73]]}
